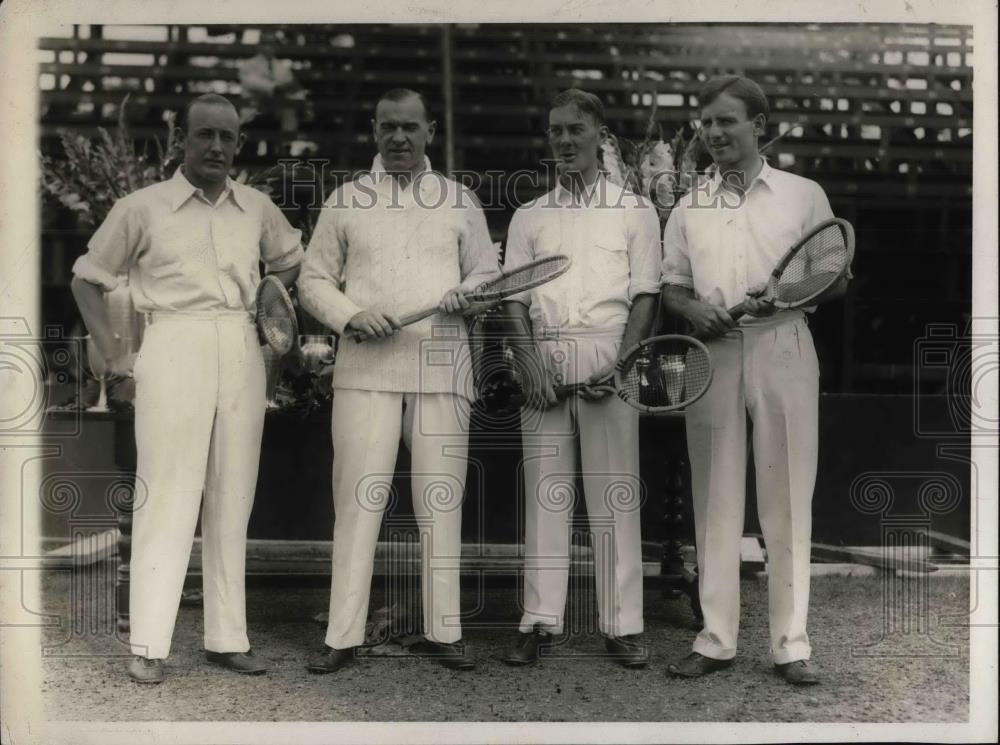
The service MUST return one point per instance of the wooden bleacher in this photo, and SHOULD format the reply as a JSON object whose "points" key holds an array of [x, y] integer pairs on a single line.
{"points": [[885, 113]]}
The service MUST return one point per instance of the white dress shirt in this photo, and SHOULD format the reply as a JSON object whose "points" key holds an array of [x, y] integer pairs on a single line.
{"points": [[613, 238], [184, 253], [721, 244]]}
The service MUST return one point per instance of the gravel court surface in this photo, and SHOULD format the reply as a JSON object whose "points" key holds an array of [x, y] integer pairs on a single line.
{"points": [[912, 676]]}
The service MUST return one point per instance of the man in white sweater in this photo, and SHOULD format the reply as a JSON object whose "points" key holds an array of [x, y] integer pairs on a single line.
{"points": [[393, 241]]}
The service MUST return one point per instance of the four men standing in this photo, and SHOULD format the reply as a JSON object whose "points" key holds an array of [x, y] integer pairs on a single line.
{"points": [[402, 237]]}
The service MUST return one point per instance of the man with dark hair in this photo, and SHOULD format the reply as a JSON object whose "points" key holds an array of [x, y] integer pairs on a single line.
{"points": [[397, 239], [720, 244], [191, 247], [573, 330]]}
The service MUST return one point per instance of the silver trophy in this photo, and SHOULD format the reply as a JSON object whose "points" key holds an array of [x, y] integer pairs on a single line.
{"points": [[672, 369], [272, 369], [99, 368], [316, 352]]}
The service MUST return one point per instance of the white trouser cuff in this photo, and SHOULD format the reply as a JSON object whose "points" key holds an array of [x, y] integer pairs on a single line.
{"points": [[548, 623], [791, 653], [345, 641], [707, 648], [227, 644], [449, 636], [156, 650], [621, 629]]}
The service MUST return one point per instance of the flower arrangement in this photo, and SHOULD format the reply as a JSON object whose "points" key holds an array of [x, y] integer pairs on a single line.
{"points": [[659, 170], [94, 173]]}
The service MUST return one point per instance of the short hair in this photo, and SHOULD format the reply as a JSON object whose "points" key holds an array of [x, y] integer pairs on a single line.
{"points": [[213, 99], [587, 103], [401, 94], [739, 87]]}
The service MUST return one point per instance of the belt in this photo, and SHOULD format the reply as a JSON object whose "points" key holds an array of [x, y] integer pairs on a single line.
{"points": [[765, 322], [613, 333], [157, 316]]}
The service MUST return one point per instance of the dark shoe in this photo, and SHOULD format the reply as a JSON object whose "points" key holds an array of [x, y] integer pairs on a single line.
{"points": [[799, 672], [627, 651], [145, 670], [526, 651], [695, 665], [452, 656], [330, 660], [238, 662]]}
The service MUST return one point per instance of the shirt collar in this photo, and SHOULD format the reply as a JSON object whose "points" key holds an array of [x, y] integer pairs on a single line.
{"points": [[379, 176], [564, 197], [182, 190], [765, 176]]}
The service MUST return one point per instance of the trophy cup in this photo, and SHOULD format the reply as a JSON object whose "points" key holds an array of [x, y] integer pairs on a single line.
{"points": [[316, 351], [272, 369], [99, 368], [672, 369]]}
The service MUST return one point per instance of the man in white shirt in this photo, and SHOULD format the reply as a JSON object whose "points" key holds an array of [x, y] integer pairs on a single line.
{"points": [[720, 244], [572, 330], [191, 246], [393, 241]]}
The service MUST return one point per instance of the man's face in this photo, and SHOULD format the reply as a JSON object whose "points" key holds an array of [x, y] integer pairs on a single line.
{"points": [[211, 142], [575, 139], [402, 133], [729, 135]]}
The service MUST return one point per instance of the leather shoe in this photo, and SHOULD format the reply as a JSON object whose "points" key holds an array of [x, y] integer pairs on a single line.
{"points": [[453, 656], [799, 672], [145, 670], [238, 662], [330, 660], [526, 650], [695, 665], [627, 651]]}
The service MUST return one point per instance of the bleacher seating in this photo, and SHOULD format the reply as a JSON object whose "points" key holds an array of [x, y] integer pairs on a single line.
{"points": [[885, 115]]}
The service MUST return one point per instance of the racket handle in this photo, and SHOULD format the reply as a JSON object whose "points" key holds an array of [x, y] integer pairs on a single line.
{"points": [[405, 321], [418, 316], [564, 391], [737, 311]]}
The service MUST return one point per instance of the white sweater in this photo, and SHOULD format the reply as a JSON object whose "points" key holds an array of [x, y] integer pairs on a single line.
{"points": [[378, 246]]}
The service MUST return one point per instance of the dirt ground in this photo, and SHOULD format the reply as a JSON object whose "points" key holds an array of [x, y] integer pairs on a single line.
{"points": [[919, 674]]}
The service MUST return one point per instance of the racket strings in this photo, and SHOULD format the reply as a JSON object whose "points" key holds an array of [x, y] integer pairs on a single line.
{"points": [[665, 374], [531, 274], [274, 315], [814, 267]]}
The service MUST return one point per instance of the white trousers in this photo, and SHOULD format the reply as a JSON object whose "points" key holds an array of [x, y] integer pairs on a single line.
{"points": [[608, 436], [771, 373], [199, 416], [367, 426]]}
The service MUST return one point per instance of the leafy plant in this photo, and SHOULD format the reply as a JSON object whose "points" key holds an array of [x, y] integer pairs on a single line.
{"points": [[659, 170], [93, 173]]}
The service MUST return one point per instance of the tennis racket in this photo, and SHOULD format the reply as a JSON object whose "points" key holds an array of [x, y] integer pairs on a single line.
{"points": [[809, 268], [507, 283], [657, 375], [275, 316]]}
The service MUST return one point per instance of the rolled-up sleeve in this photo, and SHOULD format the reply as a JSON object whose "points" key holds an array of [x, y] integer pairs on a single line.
{"points": [[644, 255], [519, 250], [478, 258], [676, 269], [111, 248], [280, 243], [320, 282]]}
